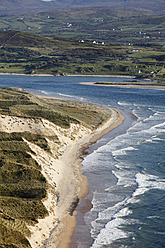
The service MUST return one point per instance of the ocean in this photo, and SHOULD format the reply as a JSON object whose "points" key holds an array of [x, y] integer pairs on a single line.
{"points": [[125, 168]]}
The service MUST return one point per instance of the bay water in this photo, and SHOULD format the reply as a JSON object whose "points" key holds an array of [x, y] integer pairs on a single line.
{"points": [[125, 169]]}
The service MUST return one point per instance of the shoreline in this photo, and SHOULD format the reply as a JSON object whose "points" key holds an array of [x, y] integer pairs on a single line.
{"points": [[123, 85], [84, 75], [61, 235], [67, 75]]}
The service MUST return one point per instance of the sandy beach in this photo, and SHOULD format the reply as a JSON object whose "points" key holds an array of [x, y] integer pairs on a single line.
{"points": [[73, 184], [66, 75]]}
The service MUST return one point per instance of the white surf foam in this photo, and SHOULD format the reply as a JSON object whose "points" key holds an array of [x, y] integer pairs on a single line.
{"points": [[124, 104], [155, 217], [147, 182], [160, 125], [112, 230], [157, 139], [124, 176], [159, 128], [146, 130], [70, 96], [123, 151], [44, 92]]}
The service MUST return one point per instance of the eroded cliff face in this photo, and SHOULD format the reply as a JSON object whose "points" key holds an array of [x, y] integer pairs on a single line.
{"points": [[53, 148]]}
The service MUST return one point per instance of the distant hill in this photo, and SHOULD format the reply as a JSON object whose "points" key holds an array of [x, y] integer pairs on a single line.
{"points": [[36, 6], [25, 6], [150, 5], [111, 26]]}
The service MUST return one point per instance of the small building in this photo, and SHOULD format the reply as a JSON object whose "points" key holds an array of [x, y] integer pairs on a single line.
{"points": [[69, 24]]}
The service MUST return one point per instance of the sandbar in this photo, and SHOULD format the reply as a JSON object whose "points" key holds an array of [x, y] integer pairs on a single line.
{"points": [[129, 85]]}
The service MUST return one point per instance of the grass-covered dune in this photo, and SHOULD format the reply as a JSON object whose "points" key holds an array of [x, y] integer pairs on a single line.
{"points": [[59, 111], [23, 187]]}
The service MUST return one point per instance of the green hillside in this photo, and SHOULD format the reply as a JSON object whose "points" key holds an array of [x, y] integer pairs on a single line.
{"points": [[35, 54], [111, 26]]}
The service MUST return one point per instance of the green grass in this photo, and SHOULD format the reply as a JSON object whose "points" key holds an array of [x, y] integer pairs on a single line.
{"points": [[60, 112], [22, 187], [87, 114], [21, 105]]}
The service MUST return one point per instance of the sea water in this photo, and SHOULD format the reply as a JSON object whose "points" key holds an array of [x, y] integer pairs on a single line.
{"points": [[127, 177], [125, 169]]}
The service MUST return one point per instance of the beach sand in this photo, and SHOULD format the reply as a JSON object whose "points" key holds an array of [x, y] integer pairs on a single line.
{"points": [[65, 75], [74, 184]]}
